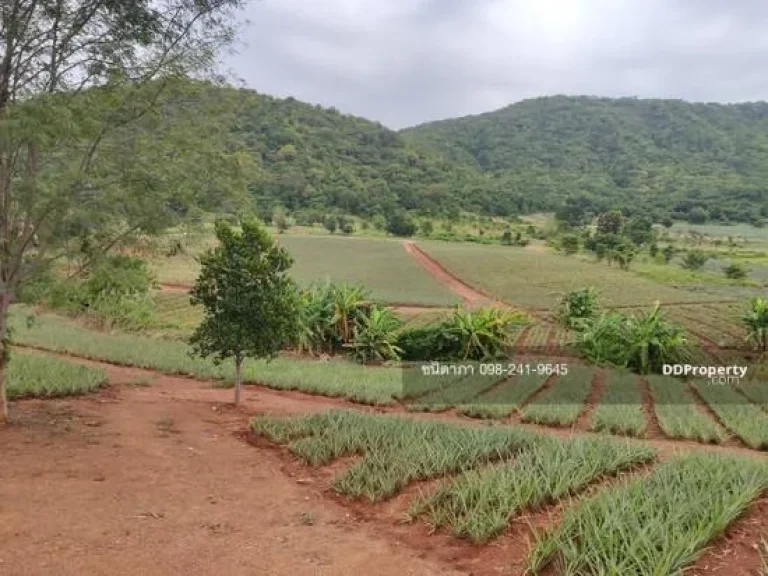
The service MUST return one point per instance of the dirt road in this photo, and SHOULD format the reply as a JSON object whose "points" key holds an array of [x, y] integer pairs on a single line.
{"points": [[152, 481]]}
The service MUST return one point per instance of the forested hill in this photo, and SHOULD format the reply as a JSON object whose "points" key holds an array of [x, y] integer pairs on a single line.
{"points": [[695, 160], [319, 158]]}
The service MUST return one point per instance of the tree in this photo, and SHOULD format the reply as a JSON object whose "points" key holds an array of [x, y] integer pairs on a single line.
{"points": [[624, 254], [330, 223], [698, 215], [639, 230], [506, 237], [250, 304], [94, 147], [610, 222], [427, 227], [280, 220], [569, 244], [400, 224]]}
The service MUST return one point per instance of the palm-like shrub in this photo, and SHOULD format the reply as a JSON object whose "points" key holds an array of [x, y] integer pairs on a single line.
{"points": [[642, 343], [756, 321], [375, 335], [482, 334]]}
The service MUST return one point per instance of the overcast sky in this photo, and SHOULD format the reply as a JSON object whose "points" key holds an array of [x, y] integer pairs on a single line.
{"points": [[403, 62]]}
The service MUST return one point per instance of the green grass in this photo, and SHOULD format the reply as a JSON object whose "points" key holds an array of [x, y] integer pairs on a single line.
{"points": [[175, 313], [757, 391], [538, 279], [505, 399], [563, 402], [654, 525], [480, 503], [743, 418], [679, 415], [34, 375], [379, 264], [369, 385], [393, 451], [620, 408]]}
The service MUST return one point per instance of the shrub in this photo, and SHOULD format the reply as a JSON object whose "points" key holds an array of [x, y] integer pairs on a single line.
{"points": [[694, 260], [374, 336], [736, 271], [400, 224], [642, 343], [756, 321], [578, 307], [570, 243], [330, 224]]}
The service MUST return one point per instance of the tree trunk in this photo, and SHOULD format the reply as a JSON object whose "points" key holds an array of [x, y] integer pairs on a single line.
{"points": [[238, 378], [5, 303]]}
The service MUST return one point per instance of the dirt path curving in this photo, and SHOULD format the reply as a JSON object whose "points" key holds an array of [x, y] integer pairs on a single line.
{"points": [[472, 297]]}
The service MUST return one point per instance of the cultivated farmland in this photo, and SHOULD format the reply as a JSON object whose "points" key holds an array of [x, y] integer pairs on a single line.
{"points": [[536, 279], [380, 264]]}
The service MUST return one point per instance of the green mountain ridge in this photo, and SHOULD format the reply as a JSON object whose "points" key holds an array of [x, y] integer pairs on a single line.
{"points": [[658, 157], [662, 156]]}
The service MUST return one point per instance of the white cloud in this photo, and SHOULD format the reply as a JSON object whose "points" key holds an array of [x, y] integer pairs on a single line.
{"points": [[409, 61]]}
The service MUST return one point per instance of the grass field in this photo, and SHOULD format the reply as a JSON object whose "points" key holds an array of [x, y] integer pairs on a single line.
{"points": [[33, 375], [382, 265], [503, 400], [744, 419], [371, 385], [537, 279]]}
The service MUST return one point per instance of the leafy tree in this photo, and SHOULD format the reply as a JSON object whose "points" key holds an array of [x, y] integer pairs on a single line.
{"points": [[667, 222], [94, 146], [756, 321], [400, 224], [639, 230], [736, 271], [610, 222], [698, 215], [694, 260], [330, 224], [570, 243], [250, 304], [280, 220], [506, 237], [624, 254], [427, 227]]}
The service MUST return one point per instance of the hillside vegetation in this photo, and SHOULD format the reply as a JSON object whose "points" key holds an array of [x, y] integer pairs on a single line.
{"points": [[692, 161]]}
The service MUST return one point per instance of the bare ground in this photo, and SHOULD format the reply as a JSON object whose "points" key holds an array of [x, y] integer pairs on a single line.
{"points": [[161, 479]]}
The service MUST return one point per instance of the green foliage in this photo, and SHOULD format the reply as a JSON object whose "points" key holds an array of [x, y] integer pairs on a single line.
{"points": [[668, 253], [467, 335], [610, 222], [249, 301], [658, 158], [280, 220], [656, 524], [694, 260], [335, 378], [736, 271], [639, 230], [36, 375], [578, 307], [374, 336], [756, 321], [570, 243], [642, 342], [400, 224], [331, 223], [677, 412]]}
